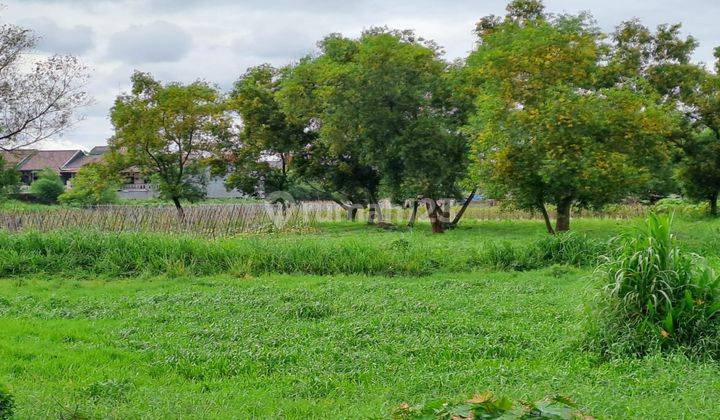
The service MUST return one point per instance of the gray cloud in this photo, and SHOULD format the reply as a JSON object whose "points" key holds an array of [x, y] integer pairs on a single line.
{"points": [[151, 43], [55, 39]]}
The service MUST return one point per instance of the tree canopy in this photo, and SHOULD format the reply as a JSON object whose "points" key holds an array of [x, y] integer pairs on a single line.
{"points": [[166, 131], [548, 128]]}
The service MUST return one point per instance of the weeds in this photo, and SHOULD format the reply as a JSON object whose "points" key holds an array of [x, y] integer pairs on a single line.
{"points": [[487, 406], [657, 297], [75, 253]]}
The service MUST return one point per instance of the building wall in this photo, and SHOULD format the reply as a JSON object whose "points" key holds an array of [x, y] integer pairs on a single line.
{"points": [[215, 189]]}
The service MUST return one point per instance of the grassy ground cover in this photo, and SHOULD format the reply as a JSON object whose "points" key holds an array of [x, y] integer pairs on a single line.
{"points": [[303, 346], [352, 343]]}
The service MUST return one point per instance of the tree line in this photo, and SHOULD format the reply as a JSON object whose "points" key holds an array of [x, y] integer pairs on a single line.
{"points": [[547, 112]]}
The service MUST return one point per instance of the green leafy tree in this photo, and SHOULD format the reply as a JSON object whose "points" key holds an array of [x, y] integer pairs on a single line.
{"points": [[260, 159], [166, 130], [384, 101], [95, 183], [9, 179], [331, 164], [47, 187], [547, 129]]}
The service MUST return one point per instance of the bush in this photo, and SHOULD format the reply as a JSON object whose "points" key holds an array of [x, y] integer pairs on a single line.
{"points": [[7, 404], [657, 297], [94, 184], [48, 187]]}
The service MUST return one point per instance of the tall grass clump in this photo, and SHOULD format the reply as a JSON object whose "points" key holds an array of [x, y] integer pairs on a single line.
{"points": [[657, 297], [568, 248]]}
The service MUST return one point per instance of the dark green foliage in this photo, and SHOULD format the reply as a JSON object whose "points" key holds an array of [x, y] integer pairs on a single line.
{"points": [[260, 159], [487, 406], [565, 248], [657, 297], [699, 170], [47, 187], [7, 404]]}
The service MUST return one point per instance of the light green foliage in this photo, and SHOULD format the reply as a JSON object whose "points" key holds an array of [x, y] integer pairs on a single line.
{"points": [[47, 187], [409, 253], [164, 130], [94, 184], [9, 179], [546, 131], [658, 297]]}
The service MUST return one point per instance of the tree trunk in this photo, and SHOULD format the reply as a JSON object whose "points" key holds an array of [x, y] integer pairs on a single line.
{"points": [[546, 217], [463, 208], [374, 213], [352, 213], [178, 207], [434, 213], [562, 223], [714, 204], [413, 215]]}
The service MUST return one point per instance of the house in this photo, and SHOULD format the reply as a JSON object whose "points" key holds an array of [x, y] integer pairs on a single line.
{"points": [[66, 163], [29, 162]]}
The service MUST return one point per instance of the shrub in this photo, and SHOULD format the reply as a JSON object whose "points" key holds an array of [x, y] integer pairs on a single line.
{"points": [[657, 297], [7, 404], [94, 184], [47, 187]]}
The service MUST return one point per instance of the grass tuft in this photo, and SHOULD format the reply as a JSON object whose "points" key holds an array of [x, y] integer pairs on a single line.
{"points": [[657, 297]]}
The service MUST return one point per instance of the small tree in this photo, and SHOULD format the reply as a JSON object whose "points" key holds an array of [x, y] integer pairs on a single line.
{"points": [[9, 179], [699, 170], [94, 184], [47, 187], [166, 131]]}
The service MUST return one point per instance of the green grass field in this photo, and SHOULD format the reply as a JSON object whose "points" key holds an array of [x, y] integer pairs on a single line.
{"points": [[95, 336]]}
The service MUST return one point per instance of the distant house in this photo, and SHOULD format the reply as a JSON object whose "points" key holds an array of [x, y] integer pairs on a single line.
{"points": [[66, 163], [29, 162]]}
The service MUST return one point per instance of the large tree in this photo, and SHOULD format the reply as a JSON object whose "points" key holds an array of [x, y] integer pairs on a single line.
{"points": [[166, 130], [333, 162], [549, 129], [382, 103], [37, 100]]}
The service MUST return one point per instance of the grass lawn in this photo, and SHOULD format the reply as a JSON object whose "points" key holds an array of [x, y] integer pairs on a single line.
{"points": [[334, 346]]}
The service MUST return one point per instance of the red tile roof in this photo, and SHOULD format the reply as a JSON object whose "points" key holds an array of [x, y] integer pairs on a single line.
{"points": [[54, 159]]}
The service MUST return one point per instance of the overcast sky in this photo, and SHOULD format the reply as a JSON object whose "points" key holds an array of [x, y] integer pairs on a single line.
{"points": [[184, 40]]}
